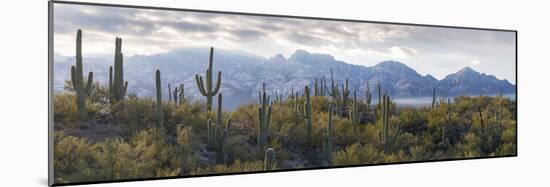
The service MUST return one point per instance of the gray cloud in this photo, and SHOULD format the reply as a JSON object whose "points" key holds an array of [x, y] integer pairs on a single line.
{"points": [[432, 50]]}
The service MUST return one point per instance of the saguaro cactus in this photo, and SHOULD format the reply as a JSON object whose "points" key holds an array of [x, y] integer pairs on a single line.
{"points": [[220, 113], [209, 91], [169, 93], [433, 100], [278, 98], [385, 138], [269, 160], [444, 143], [345, 92], [354, 115], [315, 88], [304, 111], [379, 99], [368, 97], [449, 111], [175, 95], [327, 138], [323, 86], [117, 85], [217, 137], [264, 118], [77, 78], [160, 112], [333, 88], [182, 94], [499, 114]]}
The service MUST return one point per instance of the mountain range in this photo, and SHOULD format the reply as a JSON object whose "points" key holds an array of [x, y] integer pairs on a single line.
{"points": [[243, 74]]}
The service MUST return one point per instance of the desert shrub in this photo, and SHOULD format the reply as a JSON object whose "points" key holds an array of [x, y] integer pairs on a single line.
{"points": [[357, 154], [75, 159], [134, 115], [238, 166], [65, 114]]}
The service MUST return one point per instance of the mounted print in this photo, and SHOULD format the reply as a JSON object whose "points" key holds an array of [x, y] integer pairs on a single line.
{"points": [[140, 93]]}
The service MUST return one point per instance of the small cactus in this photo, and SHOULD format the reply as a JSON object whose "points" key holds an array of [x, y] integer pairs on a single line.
{"points": [[209, 91], [444, 143], [217, 136], [269, 160]]}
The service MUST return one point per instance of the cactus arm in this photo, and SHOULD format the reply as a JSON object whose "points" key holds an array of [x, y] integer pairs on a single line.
{"points": [[125, 89], [90, 82], [73, 77], [200, 85], [111, 83], [396, 132], [218, 83]]}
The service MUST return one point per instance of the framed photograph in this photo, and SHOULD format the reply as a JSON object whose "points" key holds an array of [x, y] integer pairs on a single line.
{"points": [[143, 93]]}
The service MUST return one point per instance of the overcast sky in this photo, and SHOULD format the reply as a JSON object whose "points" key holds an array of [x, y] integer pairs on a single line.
{"points": [[428, 50]]}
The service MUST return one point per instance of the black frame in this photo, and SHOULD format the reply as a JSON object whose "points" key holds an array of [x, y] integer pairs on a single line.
{"points": [[50, 88]]}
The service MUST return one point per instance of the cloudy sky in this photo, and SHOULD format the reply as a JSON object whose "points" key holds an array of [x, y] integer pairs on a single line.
{"points": [[429, 50]]}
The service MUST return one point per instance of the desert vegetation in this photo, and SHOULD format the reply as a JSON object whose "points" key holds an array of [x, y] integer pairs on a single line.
{"points": [[103, 132]]}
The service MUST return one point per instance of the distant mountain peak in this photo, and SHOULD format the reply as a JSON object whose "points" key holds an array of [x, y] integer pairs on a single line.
{"points": [[391, 64], [396, 67], [467, 69], [278, 58], [301, 55]]}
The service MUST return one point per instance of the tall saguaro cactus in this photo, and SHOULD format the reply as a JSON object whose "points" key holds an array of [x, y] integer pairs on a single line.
{"points": [[159, 112], [378, 110], [77, 78], [327, 138], [316, 88], [117, 85], [264, 118], [181, 95], [345, 92], [209, 91], [323, 86], [499, 114], [385, 138], [269, 160], [354, 112], [333, 88], [368, 97], [169, 93], [304, 111]]}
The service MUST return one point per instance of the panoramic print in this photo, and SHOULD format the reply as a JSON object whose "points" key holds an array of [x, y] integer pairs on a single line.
{"points": [[151, 93]]}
